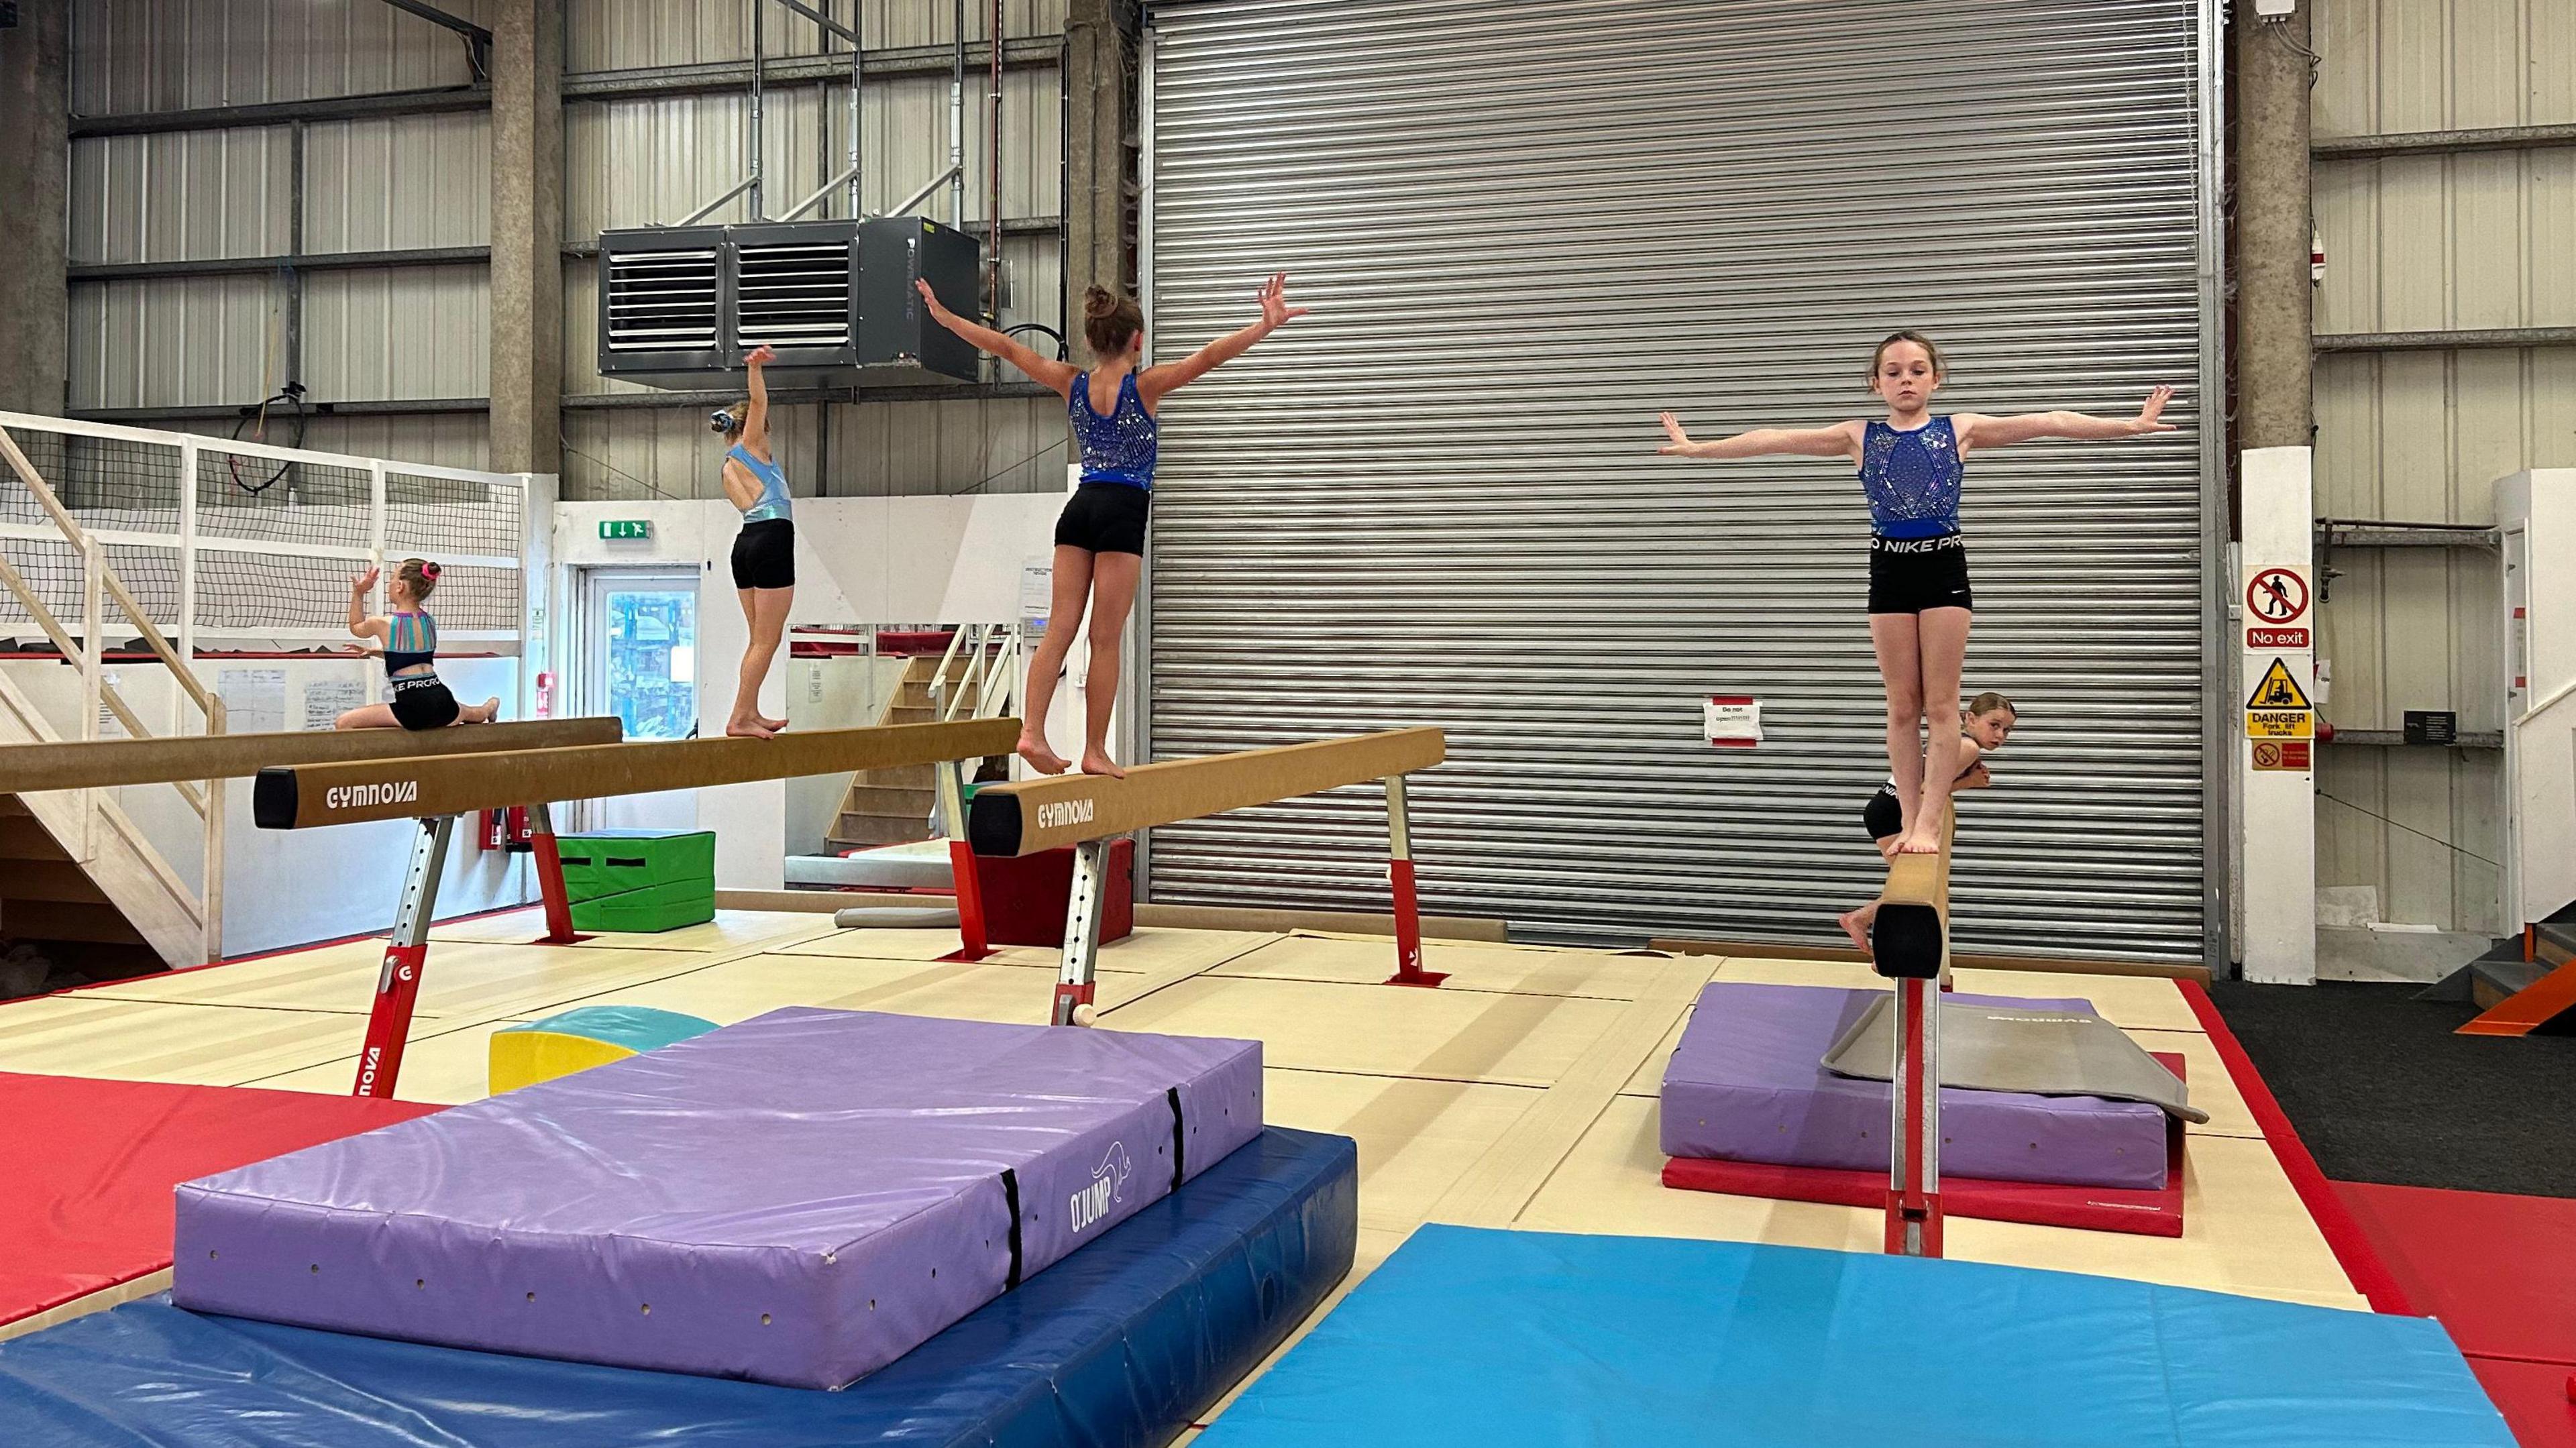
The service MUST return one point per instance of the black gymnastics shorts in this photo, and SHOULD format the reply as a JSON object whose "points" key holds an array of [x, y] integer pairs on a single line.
{"points": [[1105, 518], [422, 702], [1909, 575], [1884, 815], [764, 554]]}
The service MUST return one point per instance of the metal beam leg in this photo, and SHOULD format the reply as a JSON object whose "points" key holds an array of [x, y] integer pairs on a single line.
{"points": [[1914, 1167], [973, 942], [550, 880], [398, 984], [1074, 983], [1408, 910]]}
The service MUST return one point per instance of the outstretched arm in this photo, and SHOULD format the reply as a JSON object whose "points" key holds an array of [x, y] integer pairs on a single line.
{"points": [[1154, 383], [1045, 371], [1841, 440], [1975, 430], [755, 420], [360, 625]]}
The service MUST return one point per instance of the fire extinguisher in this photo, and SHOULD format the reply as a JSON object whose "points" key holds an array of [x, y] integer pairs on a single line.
{"points": [[545, 695]]}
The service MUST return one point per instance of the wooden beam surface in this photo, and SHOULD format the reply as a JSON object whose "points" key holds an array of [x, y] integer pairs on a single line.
{"points": [[1067, 809], [1911, 939], [303, 796], [106, 763]]}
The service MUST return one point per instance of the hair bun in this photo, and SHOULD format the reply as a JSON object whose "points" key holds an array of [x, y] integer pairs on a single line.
{"points": [[1098, 301], [428, 570]]}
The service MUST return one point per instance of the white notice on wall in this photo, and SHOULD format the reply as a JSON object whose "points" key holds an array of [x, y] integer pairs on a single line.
{"points": [[1037, 589], [325, 700], [254, 700], [1734, 721], [109, 726]]}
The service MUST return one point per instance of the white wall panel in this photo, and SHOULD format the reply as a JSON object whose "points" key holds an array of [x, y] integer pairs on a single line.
{"points": [[409, 181], [175, 341], [180, 195], [2478, 239], [160, 55], [398, 332]]}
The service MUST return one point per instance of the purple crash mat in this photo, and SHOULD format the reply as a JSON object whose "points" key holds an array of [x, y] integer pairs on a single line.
{"points": [[1747, 1084], [799, 1199]]}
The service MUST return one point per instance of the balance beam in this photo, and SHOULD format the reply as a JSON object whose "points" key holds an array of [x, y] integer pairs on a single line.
{"points": [[107, 763], [303, 796], [1009, 820], [1084, 811], [435, 790], [1910, 942]]}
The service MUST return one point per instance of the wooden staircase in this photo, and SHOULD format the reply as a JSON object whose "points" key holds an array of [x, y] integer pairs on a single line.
{"points": [[79, 881], [893, 806]]}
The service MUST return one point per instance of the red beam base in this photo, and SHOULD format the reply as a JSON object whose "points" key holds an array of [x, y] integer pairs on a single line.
{"points": [[1408, 931]]}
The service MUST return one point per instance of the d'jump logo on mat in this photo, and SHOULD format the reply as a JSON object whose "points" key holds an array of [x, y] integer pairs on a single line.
{"points": [[1108, 1184], [368, 796]]}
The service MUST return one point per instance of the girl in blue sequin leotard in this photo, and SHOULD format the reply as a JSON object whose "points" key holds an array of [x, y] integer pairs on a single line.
{"points": [[1100, 539], [1919, 603]]}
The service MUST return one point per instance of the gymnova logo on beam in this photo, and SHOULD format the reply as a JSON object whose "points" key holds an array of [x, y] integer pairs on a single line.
{"points": [[1064, 812], [1108, 1184], [367, 796]]}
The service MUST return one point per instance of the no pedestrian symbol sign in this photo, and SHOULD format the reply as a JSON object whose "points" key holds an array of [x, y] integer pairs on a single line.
{"points": [[2276, 596]]}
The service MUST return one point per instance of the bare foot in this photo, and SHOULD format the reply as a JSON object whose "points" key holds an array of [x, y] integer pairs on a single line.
{"points": [[1033, 748], [1095, 762], [1921, 842], [774, 726], [1850, 922], [749, 729], [491, 710]]}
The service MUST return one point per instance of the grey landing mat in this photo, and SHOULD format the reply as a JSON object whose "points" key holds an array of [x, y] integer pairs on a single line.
{"points": [[2000, 1048]]}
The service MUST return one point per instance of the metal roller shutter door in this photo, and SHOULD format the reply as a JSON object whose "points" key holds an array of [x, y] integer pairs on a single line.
{"points": [[1524, 228]]}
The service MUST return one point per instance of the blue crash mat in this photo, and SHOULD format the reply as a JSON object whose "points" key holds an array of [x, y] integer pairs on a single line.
{"points": [[1484, 1339], [1119, 1343]]}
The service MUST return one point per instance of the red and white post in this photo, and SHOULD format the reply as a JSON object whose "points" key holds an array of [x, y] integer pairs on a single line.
{"points": [[1408, 906], [550, 880], [1914, 1175], [398, 983], [1076, 979], [973, 942]]}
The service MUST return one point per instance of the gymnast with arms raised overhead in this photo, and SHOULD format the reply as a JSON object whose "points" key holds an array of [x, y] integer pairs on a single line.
{"points": [[1991, 718], [409, 637], [1919, 603], [1100, 537]]}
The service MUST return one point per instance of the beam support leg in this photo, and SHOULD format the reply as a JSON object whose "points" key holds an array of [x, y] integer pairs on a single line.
{"points": [[398, 983], [1914, 1170], [1074, 982], [1408, 908], [973, 941], [550, 880]]}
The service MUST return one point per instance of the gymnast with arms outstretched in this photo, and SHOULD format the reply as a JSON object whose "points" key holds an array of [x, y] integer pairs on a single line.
{"points": [[1100, 536], [1990, 722], [1919, 603], [409, 637]]}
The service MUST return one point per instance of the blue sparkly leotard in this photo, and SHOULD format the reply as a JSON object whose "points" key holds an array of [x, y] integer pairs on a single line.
{"points": [[1912, 479], [1120, 447]]}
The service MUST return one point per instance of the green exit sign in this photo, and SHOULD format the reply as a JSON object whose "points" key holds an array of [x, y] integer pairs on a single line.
{"points": [[616, 528]]}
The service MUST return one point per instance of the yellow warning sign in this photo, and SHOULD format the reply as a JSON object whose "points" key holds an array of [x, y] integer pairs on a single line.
{"points": [[2278, 691], [2278, 724]]}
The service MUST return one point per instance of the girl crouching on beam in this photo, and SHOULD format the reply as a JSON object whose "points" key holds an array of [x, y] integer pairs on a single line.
{"points": [[1919, 603], [1991, 718]]}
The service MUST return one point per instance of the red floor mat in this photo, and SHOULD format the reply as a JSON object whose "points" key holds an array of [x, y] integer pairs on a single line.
{"points": [[2099, 1209], [2498, 1270], [2533, 1398], [86, 1200]]}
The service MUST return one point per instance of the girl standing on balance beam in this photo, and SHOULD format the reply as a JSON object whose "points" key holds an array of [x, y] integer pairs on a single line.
{"points": [[1919, 603], [764, 552], [1100, 537], [1991, 718], [410, 639]]}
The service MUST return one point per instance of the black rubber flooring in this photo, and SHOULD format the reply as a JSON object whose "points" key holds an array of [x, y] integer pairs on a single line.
{"points": [[2382, 1091]]}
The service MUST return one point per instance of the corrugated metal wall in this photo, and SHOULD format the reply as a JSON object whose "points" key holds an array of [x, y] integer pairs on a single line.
{"points": [[2428, 242], [423, 181], [1524, 228]]}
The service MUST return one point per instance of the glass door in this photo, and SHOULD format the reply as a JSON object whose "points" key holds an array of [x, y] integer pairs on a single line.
{"points": [[639, 661]]}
